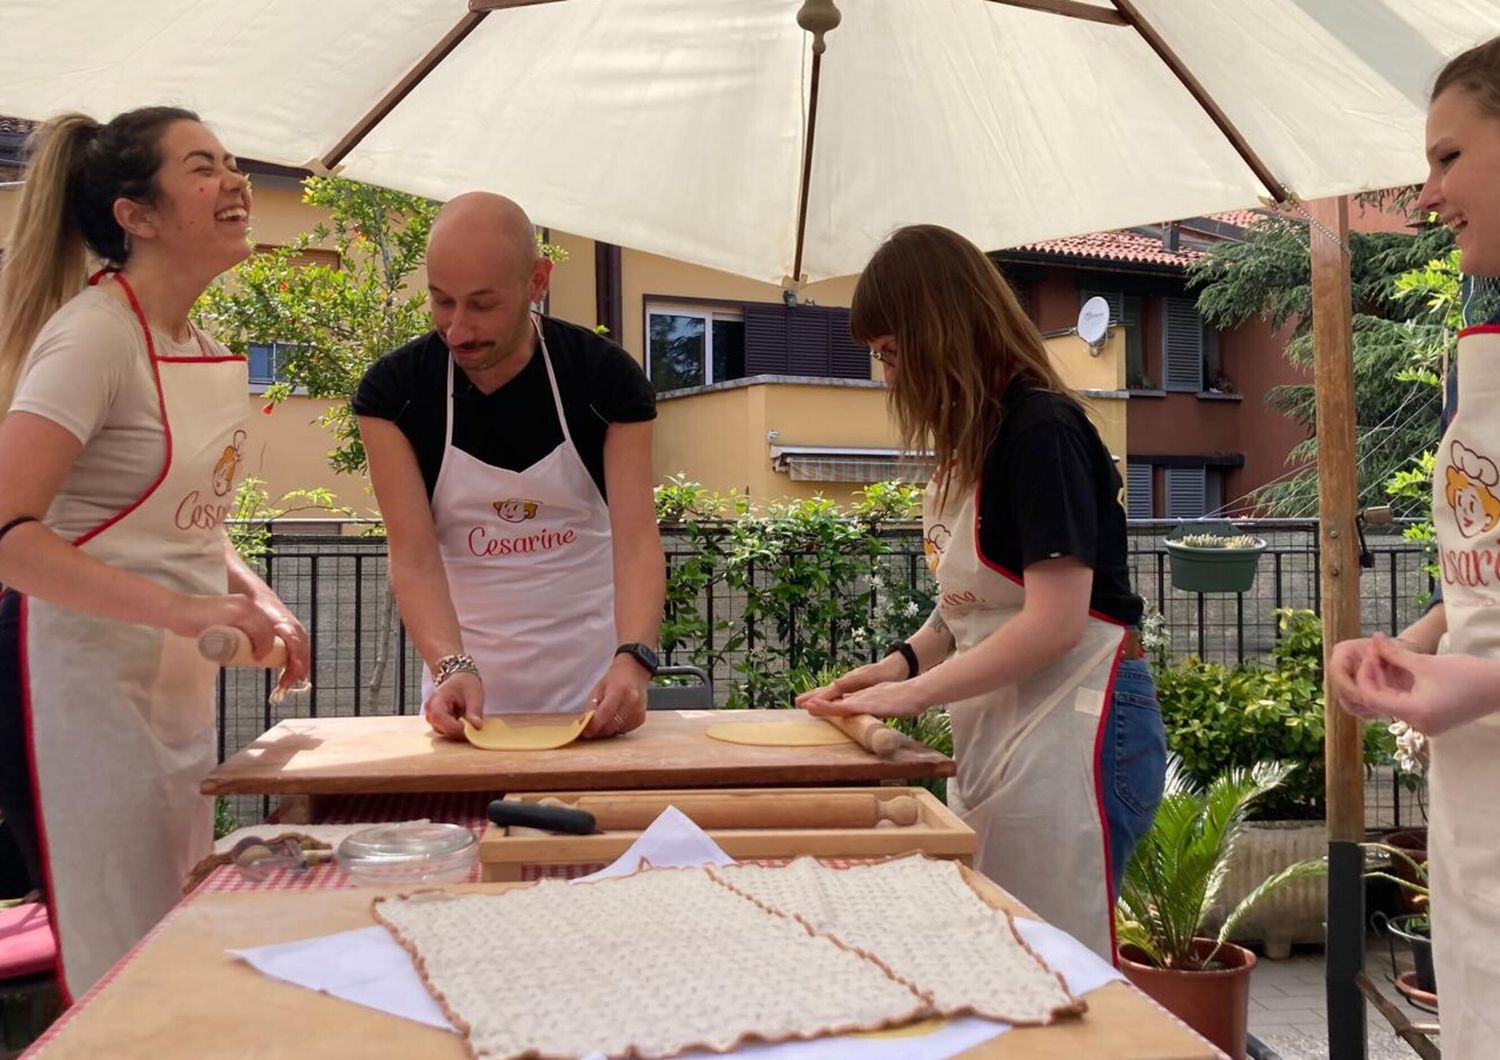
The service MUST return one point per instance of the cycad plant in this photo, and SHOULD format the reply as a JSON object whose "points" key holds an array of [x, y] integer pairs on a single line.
{"points": [[1176, 871]]}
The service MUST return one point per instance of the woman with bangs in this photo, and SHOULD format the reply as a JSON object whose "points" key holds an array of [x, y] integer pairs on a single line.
{"points": [[1033, 645]]}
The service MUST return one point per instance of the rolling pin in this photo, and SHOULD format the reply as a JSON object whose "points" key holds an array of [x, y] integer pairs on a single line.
{"points": [[869, 732], [229, 646], [758, 811]]}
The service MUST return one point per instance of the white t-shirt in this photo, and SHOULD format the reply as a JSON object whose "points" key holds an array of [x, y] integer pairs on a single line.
{"points": [[89, 372]]}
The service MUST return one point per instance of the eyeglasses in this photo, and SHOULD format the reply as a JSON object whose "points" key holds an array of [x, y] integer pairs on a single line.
{"points": [[887, 357]]}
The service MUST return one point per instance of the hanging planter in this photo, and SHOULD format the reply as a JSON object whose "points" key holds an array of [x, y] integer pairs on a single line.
{"points": [[1214, 560]]}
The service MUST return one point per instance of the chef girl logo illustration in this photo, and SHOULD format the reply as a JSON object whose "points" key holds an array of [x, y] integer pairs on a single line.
{"points": [[515, 510], [484, 541], [193, 513], [1470, 491], [934, 544]]}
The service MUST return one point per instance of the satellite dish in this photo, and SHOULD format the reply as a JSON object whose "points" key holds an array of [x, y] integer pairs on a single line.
{"points": [[1093, 323]]}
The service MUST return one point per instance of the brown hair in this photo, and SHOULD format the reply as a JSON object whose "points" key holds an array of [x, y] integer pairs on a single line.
{"points": [[960, 338], [1477, 71], [77, 169]]}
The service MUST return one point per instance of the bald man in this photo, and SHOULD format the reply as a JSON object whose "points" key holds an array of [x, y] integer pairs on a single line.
{"points": [[511, 458]]}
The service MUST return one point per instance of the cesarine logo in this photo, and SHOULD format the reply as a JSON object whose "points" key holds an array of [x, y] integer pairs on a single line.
{"points": [[516, 510], [481, 544], [196, 513]]}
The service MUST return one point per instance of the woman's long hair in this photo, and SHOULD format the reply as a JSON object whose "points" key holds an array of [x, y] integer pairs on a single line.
{"points": [[960, 337], [77, 169]]}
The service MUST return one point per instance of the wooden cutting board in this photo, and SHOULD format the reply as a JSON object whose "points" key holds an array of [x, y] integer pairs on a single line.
{"points": [[381, 755], [181, 997]]}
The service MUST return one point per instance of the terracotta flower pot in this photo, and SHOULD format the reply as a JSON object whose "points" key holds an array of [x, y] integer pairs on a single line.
{"points": [[1216, 1004], [1413, 843]]}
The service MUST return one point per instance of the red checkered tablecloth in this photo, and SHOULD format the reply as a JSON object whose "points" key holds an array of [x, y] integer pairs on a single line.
{"points": [[465, 808]]}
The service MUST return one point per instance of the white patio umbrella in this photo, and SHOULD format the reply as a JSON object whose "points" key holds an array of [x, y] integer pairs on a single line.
{"points": [[711, 131], [682, 126]]}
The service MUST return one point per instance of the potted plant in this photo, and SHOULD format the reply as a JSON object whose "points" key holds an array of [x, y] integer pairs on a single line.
{"points": [[1414, 928], [1219, 717], [1170, 883], [1213, 558]]}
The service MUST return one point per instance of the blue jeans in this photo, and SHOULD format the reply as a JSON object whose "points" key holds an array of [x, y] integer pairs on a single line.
{"points": [[1133, 762]]}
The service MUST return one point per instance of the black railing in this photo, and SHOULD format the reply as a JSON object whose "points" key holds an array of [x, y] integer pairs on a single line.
{"points": [[337, 586]]}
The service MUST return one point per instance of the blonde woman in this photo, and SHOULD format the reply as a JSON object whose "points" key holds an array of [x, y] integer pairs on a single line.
{"points": [[1057, 732], [1454, 697], [112, 500]]}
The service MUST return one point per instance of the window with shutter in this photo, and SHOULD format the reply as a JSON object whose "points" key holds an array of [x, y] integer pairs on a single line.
{"points": [[1182, 345], [1140, 491], [1187, 492], [1135, 343], [691, 346]]}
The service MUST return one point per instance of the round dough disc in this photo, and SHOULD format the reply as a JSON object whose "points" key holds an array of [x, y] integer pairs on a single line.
{"points": [[535, 733], [794, 732]]}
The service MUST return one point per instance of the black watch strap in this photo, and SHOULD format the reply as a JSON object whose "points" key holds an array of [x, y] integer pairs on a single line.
{"points": [[642, 654], [913, 667]]}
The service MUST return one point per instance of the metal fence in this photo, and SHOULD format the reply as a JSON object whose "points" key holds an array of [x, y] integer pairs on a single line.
{"points": [[337, 586]]}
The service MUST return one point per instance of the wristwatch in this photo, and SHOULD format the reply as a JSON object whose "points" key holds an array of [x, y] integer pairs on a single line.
{"points": [[642, 654]]}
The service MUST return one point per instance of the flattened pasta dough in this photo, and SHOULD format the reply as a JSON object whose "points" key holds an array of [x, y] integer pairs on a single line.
{"points": [[794, 732], [527, 732]]}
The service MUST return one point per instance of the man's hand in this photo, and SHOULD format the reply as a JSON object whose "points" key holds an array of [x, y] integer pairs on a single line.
{"points": [[619, 699], [459, 697]]}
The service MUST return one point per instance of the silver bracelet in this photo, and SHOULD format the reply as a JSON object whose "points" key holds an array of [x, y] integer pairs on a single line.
{"points": [[449, 665]]}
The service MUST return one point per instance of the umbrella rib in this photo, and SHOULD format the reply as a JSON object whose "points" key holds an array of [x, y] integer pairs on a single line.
{"points": [[414, 77], [807, 157], [1069, 9], [1279, 191]]}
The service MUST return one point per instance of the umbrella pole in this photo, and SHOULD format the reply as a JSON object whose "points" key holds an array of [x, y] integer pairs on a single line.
{"points": [[1338, 507]]}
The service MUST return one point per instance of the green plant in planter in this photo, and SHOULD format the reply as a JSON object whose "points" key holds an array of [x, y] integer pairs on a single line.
{"points": [[1417, 886], [1214, 560], [1221, 717], [1176, 871], [1415, 928], [1237, 541]]}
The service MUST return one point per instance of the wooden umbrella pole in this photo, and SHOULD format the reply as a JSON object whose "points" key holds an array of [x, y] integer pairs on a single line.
{"points": [[1338, 507]]}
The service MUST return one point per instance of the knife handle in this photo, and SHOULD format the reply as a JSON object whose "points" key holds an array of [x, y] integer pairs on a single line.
{"points": [[548, 818]]}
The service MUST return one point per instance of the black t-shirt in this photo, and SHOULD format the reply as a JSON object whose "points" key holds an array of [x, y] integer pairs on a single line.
{"points": [[517, 425], [1050, 489]]}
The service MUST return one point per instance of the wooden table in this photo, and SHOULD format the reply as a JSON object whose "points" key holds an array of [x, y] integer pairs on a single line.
{"points": [[181, 996], [311, 757]]}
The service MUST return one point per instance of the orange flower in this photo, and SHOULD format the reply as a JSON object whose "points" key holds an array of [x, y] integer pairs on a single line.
{"points": [[267, 408]]}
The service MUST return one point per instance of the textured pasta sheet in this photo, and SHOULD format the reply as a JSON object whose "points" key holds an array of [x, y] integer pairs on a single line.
{"points": [[918, 917], [648, 965]]}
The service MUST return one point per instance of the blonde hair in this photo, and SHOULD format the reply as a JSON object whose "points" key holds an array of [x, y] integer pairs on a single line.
{"points": [[960, 338], [76, 171], [1477, 71]]}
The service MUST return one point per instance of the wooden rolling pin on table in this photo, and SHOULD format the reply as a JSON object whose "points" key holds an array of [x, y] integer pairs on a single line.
{"points": [[869, 732], [725, 811]]}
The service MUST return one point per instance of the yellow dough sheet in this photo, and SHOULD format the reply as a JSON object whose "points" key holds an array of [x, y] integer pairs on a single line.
{"points": [[527, 732]]}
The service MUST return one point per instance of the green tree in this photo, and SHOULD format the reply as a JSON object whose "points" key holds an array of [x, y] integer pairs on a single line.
{"points": [[1399, 340], [333, 321]]}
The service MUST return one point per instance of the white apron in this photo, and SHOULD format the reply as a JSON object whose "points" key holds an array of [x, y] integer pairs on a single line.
{"points": [[121, 716], [530, 570], [1028, 755], [1464, 841]]}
